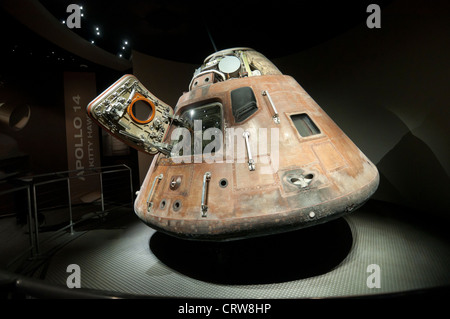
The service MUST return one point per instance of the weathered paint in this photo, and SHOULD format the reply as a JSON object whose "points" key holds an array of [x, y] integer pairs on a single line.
{"points": [[252, 203], [255, 204]]}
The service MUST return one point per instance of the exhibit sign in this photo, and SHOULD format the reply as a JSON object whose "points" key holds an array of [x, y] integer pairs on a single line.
{"points": [[82, 135]]}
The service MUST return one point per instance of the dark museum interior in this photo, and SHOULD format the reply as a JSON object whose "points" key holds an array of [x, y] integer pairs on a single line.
{"points": [[67, 187]]}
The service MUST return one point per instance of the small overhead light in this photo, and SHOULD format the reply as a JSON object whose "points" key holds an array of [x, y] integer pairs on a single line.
{"points": [[126, 42], [92, 42], [81, 7], [123, 48], [82, 14], [96, 28], [98, 33], [63, 21]]}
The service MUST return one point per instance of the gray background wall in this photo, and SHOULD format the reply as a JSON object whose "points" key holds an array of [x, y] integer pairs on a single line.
{"points": [[388, 89]]}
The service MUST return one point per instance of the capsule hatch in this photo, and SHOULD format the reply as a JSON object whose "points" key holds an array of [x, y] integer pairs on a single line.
{"points": [[133, 114]]}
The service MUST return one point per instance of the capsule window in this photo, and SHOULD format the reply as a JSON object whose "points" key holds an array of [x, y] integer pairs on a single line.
{"points": [[243, 103], [304, 125], [210, 118]]}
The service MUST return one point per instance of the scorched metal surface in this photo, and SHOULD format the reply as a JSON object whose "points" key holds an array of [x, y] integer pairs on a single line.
{"points": [[256, 155]]}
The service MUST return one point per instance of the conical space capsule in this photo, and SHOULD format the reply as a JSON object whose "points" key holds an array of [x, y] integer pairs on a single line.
{"points": [[246, 152]]}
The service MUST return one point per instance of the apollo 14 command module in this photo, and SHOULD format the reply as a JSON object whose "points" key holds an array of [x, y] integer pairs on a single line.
{"points": [[245, 152]]}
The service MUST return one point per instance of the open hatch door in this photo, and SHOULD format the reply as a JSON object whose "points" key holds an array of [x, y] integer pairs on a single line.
{"points": [[131, 113]]}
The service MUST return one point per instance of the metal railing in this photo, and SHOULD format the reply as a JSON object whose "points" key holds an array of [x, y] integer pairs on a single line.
{"points": [[32, 183]]}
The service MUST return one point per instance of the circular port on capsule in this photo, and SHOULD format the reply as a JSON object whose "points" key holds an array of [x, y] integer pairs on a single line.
{"points": [[301, 180], [223, 183], [175, 182], [141, 110], [176, 205]]}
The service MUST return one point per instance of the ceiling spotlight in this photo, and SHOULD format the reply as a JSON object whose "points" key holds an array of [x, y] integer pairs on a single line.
{"points": [[81, 7], [96, 28], [126, 42], [123, 48], [120, 55], [92, 42], [82, 14], [98, 33], [63, 21]]}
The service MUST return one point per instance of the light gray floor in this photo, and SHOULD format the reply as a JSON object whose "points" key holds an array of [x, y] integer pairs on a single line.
{"points": [[120, 260]]}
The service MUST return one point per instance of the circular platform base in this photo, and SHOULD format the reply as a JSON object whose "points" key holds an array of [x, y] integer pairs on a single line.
{"points": [[290, 256], [328, 260]]}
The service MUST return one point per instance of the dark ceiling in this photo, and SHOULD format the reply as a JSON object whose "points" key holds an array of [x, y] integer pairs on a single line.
{"points": [[179, 30], [186, 31]]}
